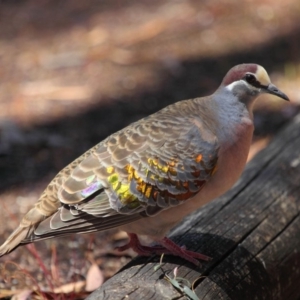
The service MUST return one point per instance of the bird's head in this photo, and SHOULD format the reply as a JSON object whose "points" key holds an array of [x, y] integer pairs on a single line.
{"points": [[248, 81]]}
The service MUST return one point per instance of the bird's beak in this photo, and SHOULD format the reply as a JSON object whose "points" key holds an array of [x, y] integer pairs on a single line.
{"points": [[273, 90]]}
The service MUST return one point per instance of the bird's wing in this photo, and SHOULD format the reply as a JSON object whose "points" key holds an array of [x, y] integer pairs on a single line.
{"points": [[151, 165]]}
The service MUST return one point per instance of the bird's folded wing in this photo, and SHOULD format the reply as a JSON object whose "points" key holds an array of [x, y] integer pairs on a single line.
{"points": [[143, 169]]}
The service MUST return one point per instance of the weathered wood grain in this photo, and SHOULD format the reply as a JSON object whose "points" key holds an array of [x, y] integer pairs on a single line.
{"points": [[252, 233]]}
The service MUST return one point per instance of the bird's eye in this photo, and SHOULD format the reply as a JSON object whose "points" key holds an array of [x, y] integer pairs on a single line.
{"points": [[250, 78]]}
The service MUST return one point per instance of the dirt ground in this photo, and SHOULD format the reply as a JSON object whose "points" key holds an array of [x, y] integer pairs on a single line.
{"points": [[72, 72]]}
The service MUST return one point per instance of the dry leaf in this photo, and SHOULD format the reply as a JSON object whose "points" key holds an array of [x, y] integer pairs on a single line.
{"points": [[94, 278], [23, 295], [120, 235], [70, 287]]}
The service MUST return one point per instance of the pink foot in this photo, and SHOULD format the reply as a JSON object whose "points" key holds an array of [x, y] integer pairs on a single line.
{"points": [[176, 250], [140, 249], [167, 247]]}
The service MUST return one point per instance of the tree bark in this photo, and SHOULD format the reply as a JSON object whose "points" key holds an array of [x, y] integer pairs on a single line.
{"points": [[252, 233]]}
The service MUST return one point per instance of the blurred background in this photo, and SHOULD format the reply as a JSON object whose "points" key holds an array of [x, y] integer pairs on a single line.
{"points": [[72, 72]]}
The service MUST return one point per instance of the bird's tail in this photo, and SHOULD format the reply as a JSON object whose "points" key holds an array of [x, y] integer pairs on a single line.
{"points": [[24, 233], [15, 239]]}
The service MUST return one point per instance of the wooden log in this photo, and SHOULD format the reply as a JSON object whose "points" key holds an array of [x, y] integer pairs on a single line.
{"points": [[252, 233]]}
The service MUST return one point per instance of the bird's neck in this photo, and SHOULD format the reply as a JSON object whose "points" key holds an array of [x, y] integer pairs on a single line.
{"points": [[234, 117]]}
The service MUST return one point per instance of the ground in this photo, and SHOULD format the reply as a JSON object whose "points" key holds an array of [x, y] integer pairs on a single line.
{"points": [[72, 72]]}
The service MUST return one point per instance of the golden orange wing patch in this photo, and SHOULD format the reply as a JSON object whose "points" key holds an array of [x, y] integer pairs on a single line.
{"points": [[159, 182]]}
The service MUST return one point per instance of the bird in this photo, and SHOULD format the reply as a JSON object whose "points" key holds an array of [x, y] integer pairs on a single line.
{"points": [[147, 177]]}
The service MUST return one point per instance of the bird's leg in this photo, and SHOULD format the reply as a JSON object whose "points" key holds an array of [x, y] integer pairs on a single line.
{"points": [[176, 250], [140, 249], [166, 246]]}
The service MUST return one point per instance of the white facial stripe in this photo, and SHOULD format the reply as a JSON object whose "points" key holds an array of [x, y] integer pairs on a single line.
{"points": [[231, 86]]}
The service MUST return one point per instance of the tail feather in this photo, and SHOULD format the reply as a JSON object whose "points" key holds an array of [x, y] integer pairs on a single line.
{"points": [[15, 239], [24, 233], [39, 223]]}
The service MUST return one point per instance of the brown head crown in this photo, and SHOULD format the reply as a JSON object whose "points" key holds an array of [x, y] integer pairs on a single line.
{"points": [[238, 72]]}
